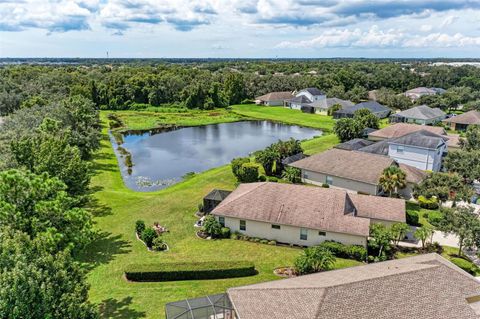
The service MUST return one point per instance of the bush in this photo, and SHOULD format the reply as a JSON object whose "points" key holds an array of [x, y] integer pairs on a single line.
{"points": [[139, 227], [272, 242], [272, 179], [211, 226], [237, 163], [412, 218], [159, 244], [225, 232], [428, 203], [314, 259], [200, 207], [264, 241], [435, 218], [345, 251], [248, 173], [148, 235], [235, 235], [466, 265], [262, 178], [189, 271], [324, 185]]}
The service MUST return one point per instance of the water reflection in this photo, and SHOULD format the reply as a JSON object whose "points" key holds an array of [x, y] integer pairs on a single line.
{"points": [[163, 158]]}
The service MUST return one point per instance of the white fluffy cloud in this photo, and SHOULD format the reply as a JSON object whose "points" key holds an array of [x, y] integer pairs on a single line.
{"points": [[376, 38]]}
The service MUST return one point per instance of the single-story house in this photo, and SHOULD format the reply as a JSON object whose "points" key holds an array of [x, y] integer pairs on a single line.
{"points": [[421, 114], [354, 171], [354, 145], [462, 121], [273, 98], [336, 101], [421, 149], [420, 287], [401, 129], [309, 100], [416, 93], [214, 198], [376, 108], [305, 215]]}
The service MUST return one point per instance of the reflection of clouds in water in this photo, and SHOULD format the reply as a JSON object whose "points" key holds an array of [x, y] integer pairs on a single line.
{"points": [[170, 155]]}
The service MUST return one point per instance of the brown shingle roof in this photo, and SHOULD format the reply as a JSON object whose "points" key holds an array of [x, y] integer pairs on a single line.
{"points": [[420, 287], [354, 165], [275, 96], [401, 129], [468, 118], [310, 207]]}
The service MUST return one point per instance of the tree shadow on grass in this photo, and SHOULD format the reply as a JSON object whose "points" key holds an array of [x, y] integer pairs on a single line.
{"points": [[113, 308], [96, 208], [103, 250]]}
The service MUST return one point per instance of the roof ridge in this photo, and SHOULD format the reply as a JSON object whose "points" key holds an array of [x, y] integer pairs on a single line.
{"points": [[242, 195]]}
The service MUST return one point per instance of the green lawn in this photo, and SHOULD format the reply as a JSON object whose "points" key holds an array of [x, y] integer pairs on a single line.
{"points": [[285, 115], [117, 210]]}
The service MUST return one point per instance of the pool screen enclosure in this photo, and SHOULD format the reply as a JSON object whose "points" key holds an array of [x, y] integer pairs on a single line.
{"points": [[208, 307]]}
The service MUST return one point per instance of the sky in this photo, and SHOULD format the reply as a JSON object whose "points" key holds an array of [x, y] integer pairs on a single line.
{"points": [[240, 28]]}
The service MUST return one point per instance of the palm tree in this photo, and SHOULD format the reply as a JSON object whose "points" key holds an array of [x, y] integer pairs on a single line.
{"points": [[393, 179]]}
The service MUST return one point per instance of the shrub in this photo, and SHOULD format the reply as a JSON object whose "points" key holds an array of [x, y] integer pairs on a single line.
{"points": [[264, 241], [428, 203], [324, 185], [314, 259], [272, 242], [148, 235], [464, 264], [189, 271], [292, 174], [435, 218], [211, 226], [237, 163], [412, 218], [200, 207], [262, 178], [248, 173], [225, 232], [272, 179], [139, 226], [159, 244], [345, 251], [235, 235]]}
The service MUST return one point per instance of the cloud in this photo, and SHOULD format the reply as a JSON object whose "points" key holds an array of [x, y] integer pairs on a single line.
{"points": [[449, 21], [376, 38]]}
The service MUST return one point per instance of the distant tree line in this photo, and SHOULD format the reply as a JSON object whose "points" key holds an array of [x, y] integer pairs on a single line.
{"points": [[207, 85]]}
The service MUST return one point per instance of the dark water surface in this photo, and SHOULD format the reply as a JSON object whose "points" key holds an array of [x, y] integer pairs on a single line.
{"points": [[162, 159]]}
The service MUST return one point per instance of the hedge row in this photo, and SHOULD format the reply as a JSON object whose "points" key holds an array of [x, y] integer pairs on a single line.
{"points": [[345, 251], [189, 271]]}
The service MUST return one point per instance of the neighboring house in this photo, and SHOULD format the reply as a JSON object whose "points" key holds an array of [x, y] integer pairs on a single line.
{"points": [[309, 100], [273, 98], [305, 215], [354, 145], [336, 101], [401, 129], [376, 108], [420, 287], [421, 149], [354, 171], [416, 93], [421, 114], [462, 121]]}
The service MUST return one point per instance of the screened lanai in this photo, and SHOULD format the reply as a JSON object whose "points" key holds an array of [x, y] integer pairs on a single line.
{"points": [[208, 307]]}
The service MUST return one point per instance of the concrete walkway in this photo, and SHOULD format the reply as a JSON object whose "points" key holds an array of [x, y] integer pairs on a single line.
{"points": [[438, 236]]}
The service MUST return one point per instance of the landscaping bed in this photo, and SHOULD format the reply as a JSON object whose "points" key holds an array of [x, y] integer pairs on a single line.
{"points": [[189, 271]]}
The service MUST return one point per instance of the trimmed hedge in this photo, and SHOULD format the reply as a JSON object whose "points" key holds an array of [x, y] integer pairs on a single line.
{"points": [[412, 218], [345, 251], [189, 271]]}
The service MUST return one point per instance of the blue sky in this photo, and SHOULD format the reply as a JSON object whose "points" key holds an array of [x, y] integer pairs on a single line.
{"points": [[239, 28]]}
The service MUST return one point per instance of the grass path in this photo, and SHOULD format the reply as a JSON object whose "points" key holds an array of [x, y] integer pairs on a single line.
{"points": [[117, 210]]}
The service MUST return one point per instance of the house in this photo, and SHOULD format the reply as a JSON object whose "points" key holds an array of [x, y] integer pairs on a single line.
{"points": [[421, 114], [419, 287], [416, 93], [421, 149], [304, 215], [309, 100], [462, 121], [376, 108], [273, 98], [401, 129], [354, 171], [336, 101], [355, 144], [214, 198]]}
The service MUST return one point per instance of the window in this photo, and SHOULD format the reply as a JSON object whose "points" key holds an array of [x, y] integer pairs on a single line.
{"points": [[329, 180], [221, 220], [276, 226], [400, 149], [243, 225], [303, 233], [322, 233]]}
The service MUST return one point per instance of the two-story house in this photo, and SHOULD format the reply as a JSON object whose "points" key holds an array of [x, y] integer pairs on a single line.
{"points": [[311, 100]]}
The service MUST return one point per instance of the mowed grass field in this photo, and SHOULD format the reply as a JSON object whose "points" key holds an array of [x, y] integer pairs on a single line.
{"points": [[118, 208]]}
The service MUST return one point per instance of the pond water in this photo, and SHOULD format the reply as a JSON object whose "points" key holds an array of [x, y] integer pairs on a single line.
{"points": [[162, 159]]}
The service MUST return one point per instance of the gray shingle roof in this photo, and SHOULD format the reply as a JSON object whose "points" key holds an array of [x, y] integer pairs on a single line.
{"points": [[421, 112], [421, 138], [302, 99], [344, 103], [373, 106], [380, 148], [355, 144], [293, 158], [420, 287], [217, 194], [471, 117], [275, 96], [400, 129], [313, 91], [313, 207]]}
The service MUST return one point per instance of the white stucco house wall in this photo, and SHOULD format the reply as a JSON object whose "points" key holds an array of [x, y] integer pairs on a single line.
{"points": [[310, 98]]}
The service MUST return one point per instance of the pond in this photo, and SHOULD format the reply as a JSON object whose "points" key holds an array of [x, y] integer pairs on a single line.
{"points": [[162, 159]]}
